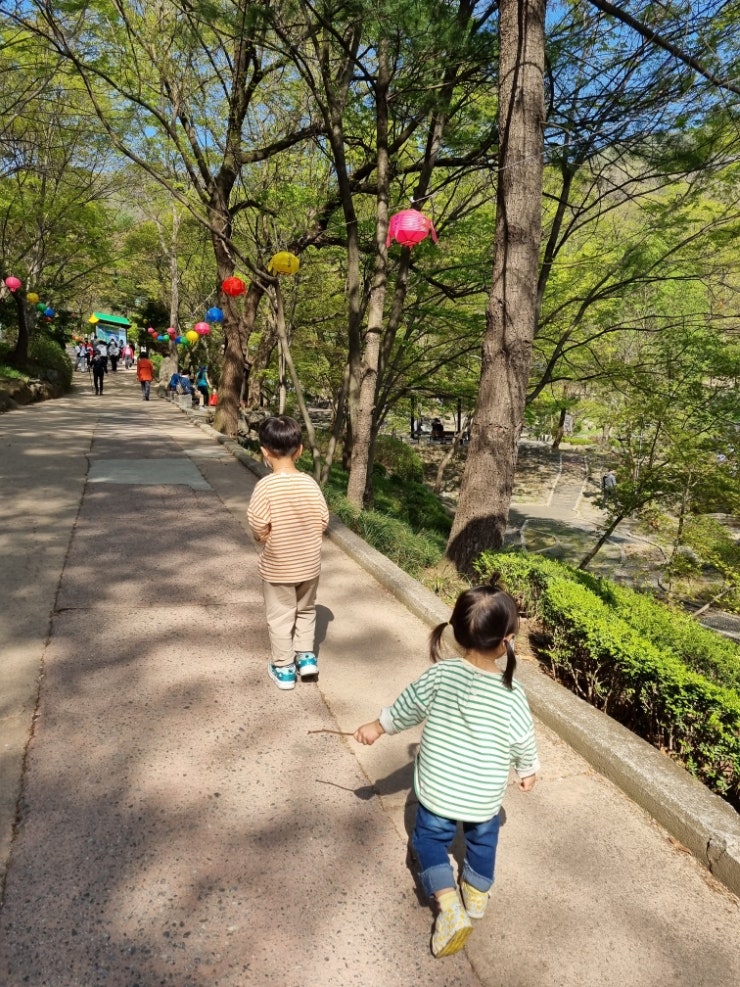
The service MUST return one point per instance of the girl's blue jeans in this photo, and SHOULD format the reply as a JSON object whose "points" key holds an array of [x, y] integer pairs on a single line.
{"points": [[431, 840]]}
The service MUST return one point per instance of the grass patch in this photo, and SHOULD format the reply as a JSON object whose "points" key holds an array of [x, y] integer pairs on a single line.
{"points": [[7, 371], [407, 524]]}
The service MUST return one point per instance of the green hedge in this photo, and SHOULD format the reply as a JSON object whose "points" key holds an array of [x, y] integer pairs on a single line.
{"points": [[668, 627], [617, 666]]}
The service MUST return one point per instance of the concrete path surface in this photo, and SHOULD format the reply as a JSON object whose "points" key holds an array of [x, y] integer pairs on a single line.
{"points": [[168, 818]]}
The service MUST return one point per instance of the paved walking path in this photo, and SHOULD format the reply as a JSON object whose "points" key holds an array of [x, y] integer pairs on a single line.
{"points": [[177, 824]]}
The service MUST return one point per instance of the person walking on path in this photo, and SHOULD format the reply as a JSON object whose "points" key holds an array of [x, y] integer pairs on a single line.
{"points": [[144, 374], [287, 514], [81, 356], [608, 487], [114, 352], [476, 724], [203, 386], [99, 370]]}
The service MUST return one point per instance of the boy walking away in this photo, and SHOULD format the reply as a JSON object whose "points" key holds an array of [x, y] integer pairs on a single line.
{"points": [[288, 515]]}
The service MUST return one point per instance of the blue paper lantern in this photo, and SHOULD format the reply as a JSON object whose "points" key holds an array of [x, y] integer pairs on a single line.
{"points": [[214, 315], [49, 313]]}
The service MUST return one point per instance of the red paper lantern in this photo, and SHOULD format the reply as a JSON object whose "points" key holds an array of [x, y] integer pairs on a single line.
{"points": [[12, 284], [410, 227], [234, 287]]}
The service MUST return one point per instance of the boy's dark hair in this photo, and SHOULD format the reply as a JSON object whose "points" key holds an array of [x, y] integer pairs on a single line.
{"points": [[281, 435], [481, 618]]}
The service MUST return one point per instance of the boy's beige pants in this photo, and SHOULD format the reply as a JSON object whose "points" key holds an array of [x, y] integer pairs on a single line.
{"points": [[291, 618]]}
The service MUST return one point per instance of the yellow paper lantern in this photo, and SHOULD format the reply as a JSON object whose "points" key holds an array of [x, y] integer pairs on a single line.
{"points": [[93, 319], [191, 336], [32, 297], [284, 263]]}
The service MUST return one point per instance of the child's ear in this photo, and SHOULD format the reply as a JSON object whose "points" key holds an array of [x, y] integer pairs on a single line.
{"points": [[297, 453], [265, 452]]}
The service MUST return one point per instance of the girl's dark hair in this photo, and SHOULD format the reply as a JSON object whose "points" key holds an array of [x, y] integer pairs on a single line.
{"points": [[281, 435], [482, 617]]}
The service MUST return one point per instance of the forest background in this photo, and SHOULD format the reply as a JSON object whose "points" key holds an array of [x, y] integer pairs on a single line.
{"points": [[579, 164]]}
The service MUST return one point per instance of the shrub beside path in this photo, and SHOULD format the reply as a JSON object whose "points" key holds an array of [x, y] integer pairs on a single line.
{"points": [[166, 818]]}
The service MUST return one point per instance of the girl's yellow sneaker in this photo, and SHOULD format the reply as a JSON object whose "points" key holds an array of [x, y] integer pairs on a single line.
{"points": [[475, 901], [452, 927]]}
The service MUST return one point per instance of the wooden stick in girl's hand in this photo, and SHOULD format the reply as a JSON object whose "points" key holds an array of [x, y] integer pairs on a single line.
{"points": [[339, 733]]}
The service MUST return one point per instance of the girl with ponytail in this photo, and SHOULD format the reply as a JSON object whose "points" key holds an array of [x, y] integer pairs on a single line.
{"points": [[477, 724]]}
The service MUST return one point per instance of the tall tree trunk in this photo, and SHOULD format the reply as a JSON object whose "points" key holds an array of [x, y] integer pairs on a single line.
{"points": [[560, 430], [449, 455], [338, 426], [174, 280], [606, 534], [261, 361], [511, 318], [365, 363], [281, 327], [19, 356]]}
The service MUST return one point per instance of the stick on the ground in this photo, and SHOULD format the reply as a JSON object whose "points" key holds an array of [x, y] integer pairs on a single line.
{"points": [[339, 733]]}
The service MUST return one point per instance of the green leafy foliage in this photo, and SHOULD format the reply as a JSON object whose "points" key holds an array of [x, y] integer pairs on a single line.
{"points": [[628, 656], [48, 361], [399, 458]]}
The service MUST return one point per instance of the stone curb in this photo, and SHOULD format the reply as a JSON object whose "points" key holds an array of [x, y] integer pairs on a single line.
{"points": [[698, 819]]}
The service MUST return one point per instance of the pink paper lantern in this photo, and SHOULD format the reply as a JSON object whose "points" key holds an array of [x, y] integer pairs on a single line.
{"points": [[171, 331], [12, 284], [410, 227], [202, 328], [152, 332]]}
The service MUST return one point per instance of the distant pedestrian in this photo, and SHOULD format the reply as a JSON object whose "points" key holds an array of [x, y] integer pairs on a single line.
{"points": [[99, 370], [477, 724], [114, 353], [144, 374], [81, 356], [288, 515], [203, 386], [608, 487]]}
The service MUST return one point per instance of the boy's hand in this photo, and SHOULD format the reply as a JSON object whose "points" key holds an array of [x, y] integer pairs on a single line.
{"points": [[368, 733], [527, 784]]}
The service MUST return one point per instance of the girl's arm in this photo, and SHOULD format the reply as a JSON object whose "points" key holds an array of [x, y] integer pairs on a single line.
{"points": [[408, 710]]}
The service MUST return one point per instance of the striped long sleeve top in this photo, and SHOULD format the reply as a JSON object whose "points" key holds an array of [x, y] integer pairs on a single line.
{"points": [[475, 728], [287, 512]]}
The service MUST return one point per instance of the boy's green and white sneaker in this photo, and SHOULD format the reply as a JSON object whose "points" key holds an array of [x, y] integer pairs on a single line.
{"points": [[452, 927], [475, 901], [283, 676], [307, 664]]}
